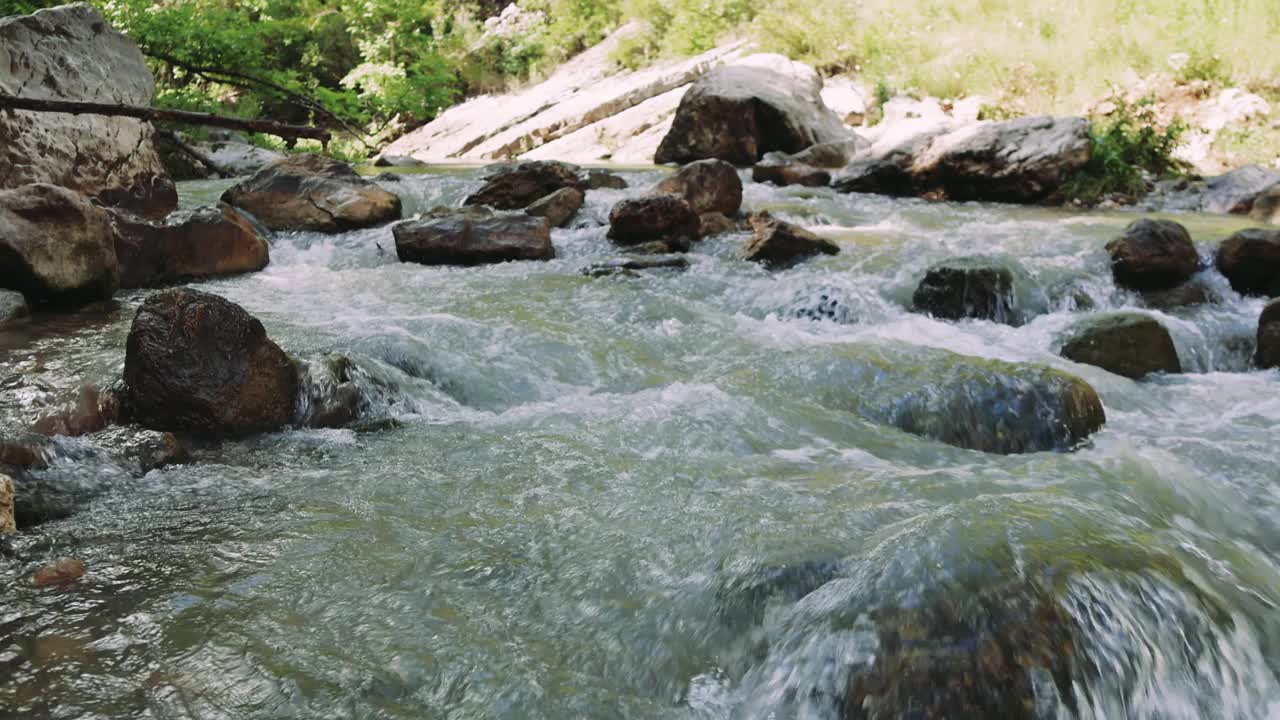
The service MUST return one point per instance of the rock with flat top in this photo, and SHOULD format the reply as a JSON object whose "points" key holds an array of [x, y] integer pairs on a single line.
{"points": [[473, 236], [56, 247], [1129, 344], [189, 244], [779, 244], [313, 192], [559, 207]]}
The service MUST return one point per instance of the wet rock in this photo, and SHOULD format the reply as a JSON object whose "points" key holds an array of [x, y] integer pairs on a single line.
{"points": [[965, 654], [473, 236], [653, 218], [1128, 344], [1269, 336], [8, 524], [515, 187], [744, 598], [679, 244], [239, 157], [559, 207], [779, 244], [139, 449], [707, 185], [714, 223], [967, 289], [398, 161], [81, 418], [823, 303], [56, 247], [1185, 295], [207, 242], [1153, 255], [1020, 161], [629, 266], [1266, 206], [197, 363], [330, 396], [71, 53], [1250, 260], [13, 308], [603, 179], [831, 155], [24, 452], [739, 112], [1236, 191], [63, 571], [877, 174], [782, 170], [388, 177], [313, 192]]}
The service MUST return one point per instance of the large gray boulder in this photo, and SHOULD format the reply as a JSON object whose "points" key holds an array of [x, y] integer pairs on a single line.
{"points": [[1250, 260], [313, 192], [473, 236], [1129, 344], [70, 53], [198, 363], [739, 112], [56, 247], [206, 242]]}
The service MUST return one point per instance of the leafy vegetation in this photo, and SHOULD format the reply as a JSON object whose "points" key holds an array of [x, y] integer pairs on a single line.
{"points": [[1130, 147]]}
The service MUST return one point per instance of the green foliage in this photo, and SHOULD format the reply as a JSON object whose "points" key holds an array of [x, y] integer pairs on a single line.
{"points": [[1129, 146], [681, 27]]}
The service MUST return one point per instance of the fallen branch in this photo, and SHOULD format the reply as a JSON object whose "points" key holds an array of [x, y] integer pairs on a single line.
{"points": [[151, 114], [194, 153]]}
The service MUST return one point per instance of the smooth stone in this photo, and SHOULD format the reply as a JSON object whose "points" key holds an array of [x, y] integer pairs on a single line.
{"points": [[624, 266], [709, 186], [313, 192], [1128, 344], [515, 187], [653, 218], [966, 289], [1250, 260], [559, 207], [1269, 336], [64, 571], [190, 244], [56, 247], [778, 244], [473, 236], [1153, 255]]}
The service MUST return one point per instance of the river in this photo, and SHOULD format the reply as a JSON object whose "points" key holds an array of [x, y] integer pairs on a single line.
{"points": [[611, 497]]}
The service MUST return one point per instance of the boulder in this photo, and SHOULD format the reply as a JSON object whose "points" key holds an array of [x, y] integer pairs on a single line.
{"points": [[654, 218], [966, 652], [515, 187], [831, 155], [877, 174], [1269, 336], [967, 289], [1153, 255], [559, 207], [178, 163], [398, 161], [330, 396], [782, 169], [739, 112], [779, 244], [473, 236], [139, 449], [63, 571], [81, 417], [1266, 206], [313, 192], [630, 266], [1128, 344], [1236, 191], [8, 523], [1187, 294], [70, 53], [207, 242], [56, 247], [197, 363], [1019, 161], [713, 223], [707, 185], [13, 308], [238, 157], [1250, 260], [598, 179]]}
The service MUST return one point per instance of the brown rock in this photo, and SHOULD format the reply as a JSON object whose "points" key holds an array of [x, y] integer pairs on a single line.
{"points": [[7, 491], [559, 207], [195, 362], [56, 247], [1250, 260], [313, 192], [653, 218], [1153, 255], [779, 244], [1128, 344], [82, 418], [1266, 207], [714, 223], [781, 169], [707, 185], [64, 571], [473, 236], [208, 242], [1269, 336], [515, 187]]}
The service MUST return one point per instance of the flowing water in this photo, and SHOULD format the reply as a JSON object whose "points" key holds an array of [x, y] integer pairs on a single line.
{"points": [[612, 497]]}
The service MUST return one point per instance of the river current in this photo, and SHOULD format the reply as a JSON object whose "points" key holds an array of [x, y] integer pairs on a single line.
{"points": [[645, 497]]}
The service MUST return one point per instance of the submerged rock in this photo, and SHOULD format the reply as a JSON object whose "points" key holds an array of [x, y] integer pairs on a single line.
{"points": [[713, 223], [739, 112], [473, 236], [139, 449], [13, 308], [559, 207], [654, 218], [1187, 294], [1250, 260], [70, 53], [197, 363], [782, 169], [515, 187], [63, 571], [398, 161], [1153, 255], [965, 654], [598, 179], [967, 289], [1128, 344], [330, 398], [207, 242], [313, 192], [629, 266], [709, 186], [1269, 336], [779, 244], [82, 417], [56, 247], [8, 523]]}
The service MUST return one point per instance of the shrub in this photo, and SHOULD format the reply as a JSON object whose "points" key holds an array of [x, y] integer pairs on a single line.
{"points": [[1129, 147]]}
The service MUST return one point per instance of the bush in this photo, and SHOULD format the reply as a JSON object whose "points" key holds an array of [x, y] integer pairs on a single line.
{"points": [[1129, 147]]}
